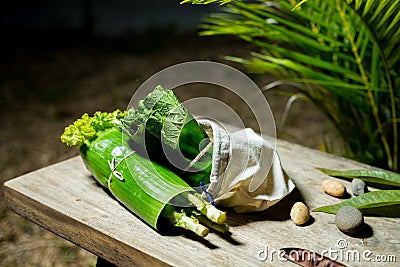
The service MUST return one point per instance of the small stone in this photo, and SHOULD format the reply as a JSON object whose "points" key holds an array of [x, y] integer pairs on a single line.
{"points": [[358, 187], [333, 188], [349, 219], [299, 213]]}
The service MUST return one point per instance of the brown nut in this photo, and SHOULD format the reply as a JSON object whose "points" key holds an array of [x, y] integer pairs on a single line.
{"points": [[299, 213], [333, 188]]}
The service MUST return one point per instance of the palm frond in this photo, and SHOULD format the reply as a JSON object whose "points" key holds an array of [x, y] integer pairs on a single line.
{"points": [[346, 49]]}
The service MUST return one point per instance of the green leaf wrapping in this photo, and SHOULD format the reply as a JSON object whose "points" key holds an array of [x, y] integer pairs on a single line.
{"points": [[147, 186], [376, 203], [165, 131], [371, 176]]}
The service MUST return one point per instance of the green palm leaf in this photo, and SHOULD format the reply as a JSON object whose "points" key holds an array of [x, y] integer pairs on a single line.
{"points": [[342, 52]]}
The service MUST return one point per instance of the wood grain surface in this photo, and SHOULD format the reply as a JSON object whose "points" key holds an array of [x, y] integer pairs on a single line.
{"points": [[66, 200]]}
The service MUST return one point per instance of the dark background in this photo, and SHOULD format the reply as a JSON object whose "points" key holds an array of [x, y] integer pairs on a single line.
{"points": [[116, 17]]}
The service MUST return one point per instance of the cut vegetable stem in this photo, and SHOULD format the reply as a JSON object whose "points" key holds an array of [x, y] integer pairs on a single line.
{"points": [[221, 228], [180, 219], [211, 212]]}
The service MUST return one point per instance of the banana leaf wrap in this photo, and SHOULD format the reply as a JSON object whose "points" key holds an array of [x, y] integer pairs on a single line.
{"points": [[165, 131], [145, 189]]}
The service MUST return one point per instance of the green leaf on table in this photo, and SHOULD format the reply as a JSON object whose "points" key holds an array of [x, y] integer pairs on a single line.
{"points": [[370, 176], [377, 203]]}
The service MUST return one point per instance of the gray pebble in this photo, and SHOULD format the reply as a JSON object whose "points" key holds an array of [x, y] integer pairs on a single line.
{"points": [[349, 219], [358, 187]]}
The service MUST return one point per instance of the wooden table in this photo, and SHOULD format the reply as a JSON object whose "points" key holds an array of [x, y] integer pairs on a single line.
{"points": [[64, 199]]}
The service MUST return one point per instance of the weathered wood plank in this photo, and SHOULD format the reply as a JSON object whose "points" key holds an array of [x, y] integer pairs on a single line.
{"points": [[64, 199]]}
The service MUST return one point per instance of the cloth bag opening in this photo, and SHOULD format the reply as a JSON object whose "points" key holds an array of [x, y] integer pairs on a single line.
{"points": [[246, 172]]}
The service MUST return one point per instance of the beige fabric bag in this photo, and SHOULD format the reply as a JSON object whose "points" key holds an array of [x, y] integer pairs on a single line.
{"points": [[242, 175]]}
